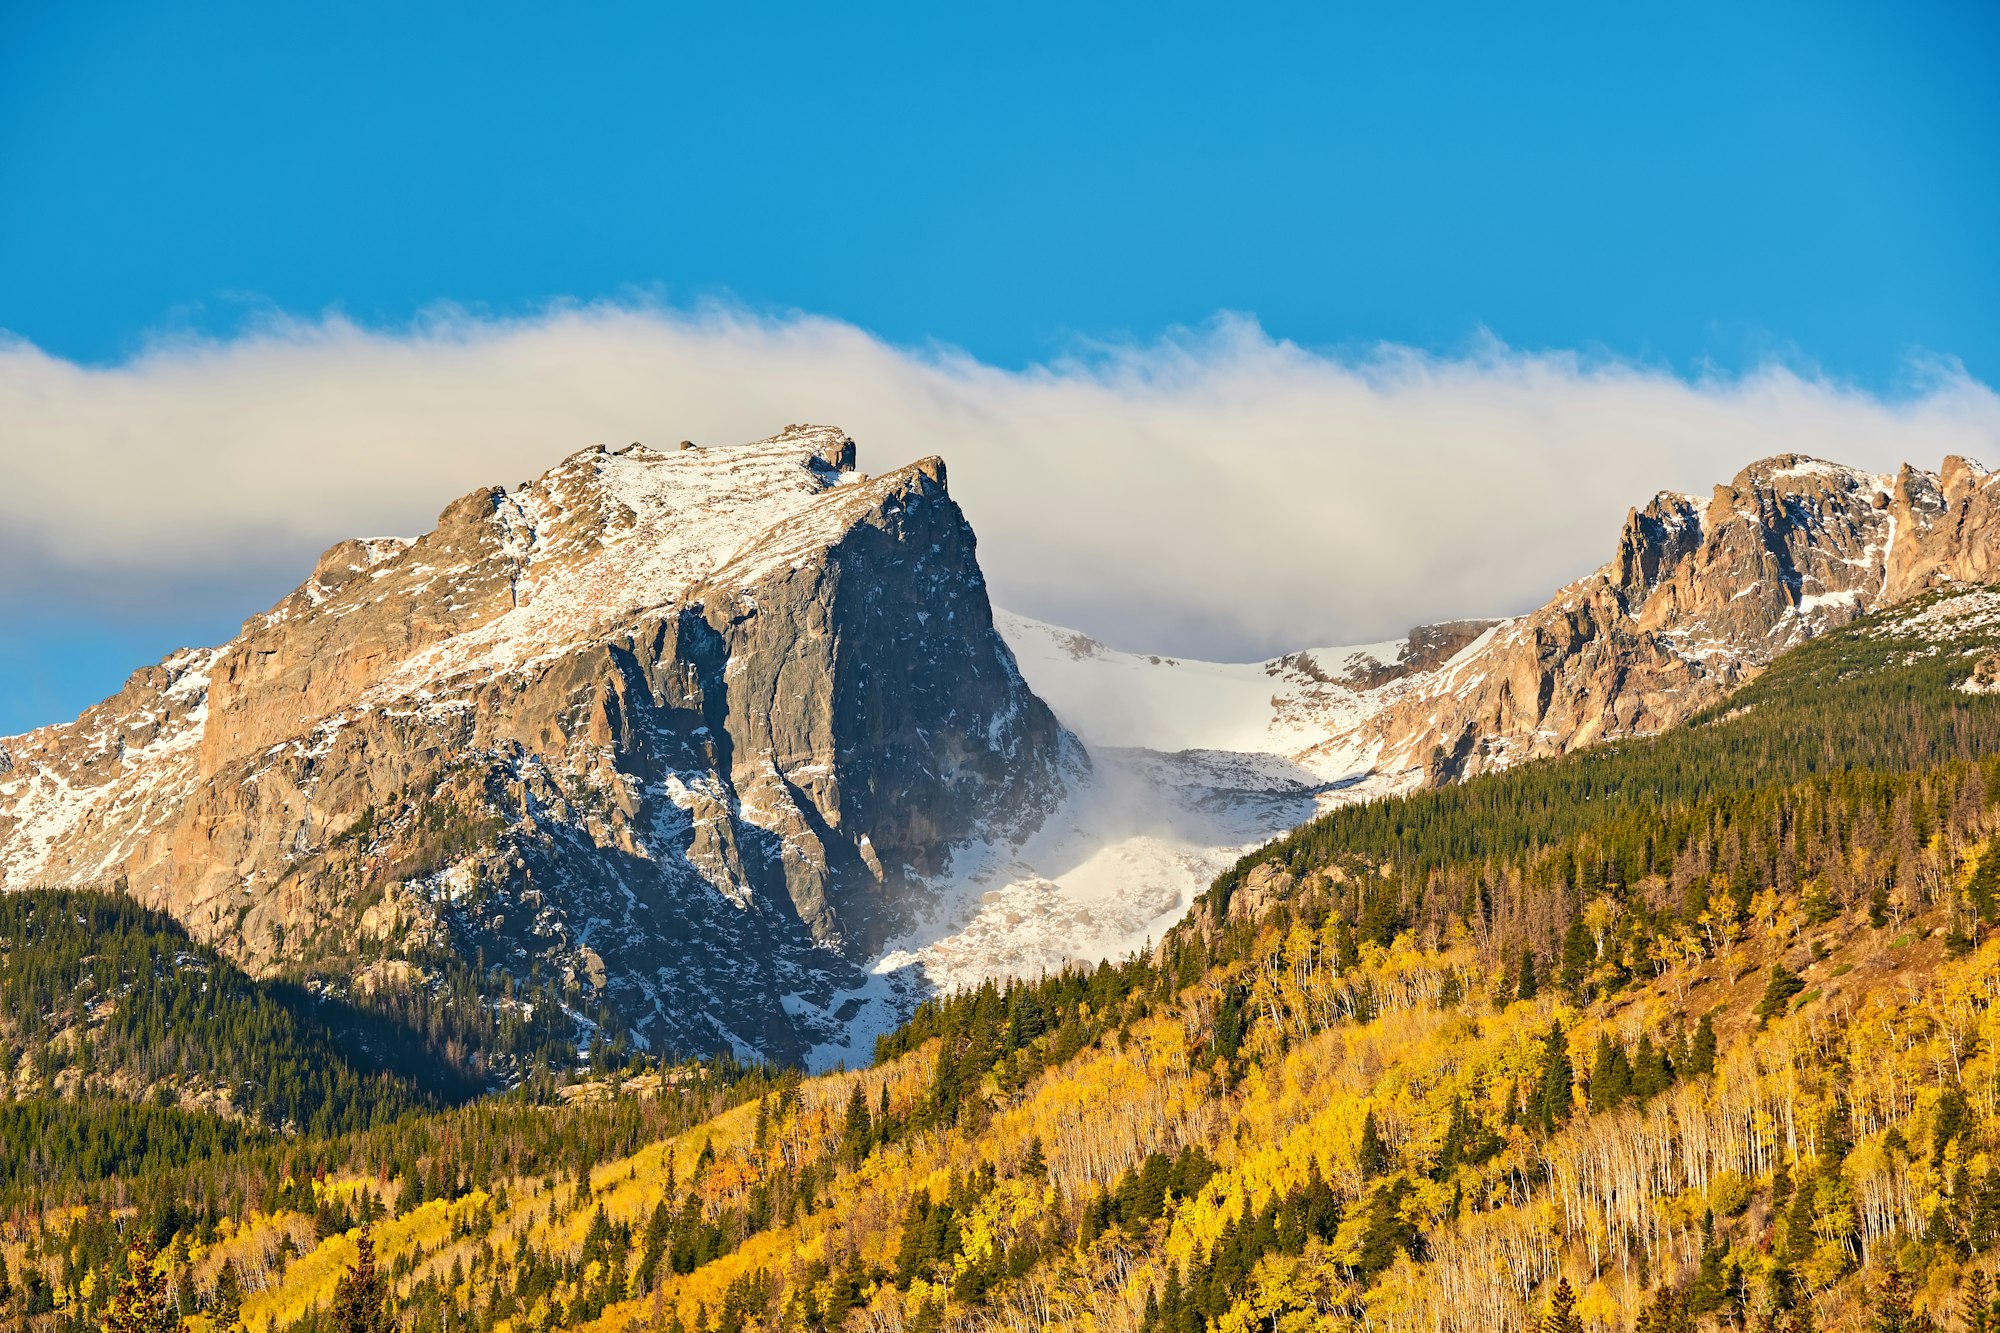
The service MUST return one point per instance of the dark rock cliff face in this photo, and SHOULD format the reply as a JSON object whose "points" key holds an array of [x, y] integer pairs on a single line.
{"points": [[690, 733]]}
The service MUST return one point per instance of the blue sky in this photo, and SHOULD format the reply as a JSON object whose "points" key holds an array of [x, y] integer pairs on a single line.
{"points": [[1694, 188], [1674, 182]]}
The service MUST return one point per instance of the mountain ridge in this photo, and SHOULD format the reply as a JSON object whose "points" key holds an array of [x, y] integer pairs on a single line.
{"points": [[779, 684]]}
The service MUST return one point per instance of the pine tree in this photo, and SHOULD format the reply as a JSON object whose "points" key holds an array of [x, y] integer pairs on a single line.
{"points": [[1891, 1311], [1975, 1306], [1373, 1154], [1562, 1310], [362, 1300], [1701, 1053]]}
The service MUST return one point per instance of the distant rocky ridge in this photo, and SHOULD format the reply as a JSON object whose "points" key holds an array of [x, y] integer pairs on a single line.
{"points": [[691, 731], [1698, 596]]}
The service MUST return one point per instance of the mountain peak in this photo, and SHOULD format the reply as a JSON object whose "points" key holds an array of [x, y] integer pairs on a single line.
{"points": [[1803, 472], [673, 725]]}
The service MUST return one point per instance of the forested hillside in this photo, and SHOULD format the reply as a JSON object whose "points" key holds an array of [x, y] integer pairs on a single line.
{"points": [[1697, 1032], [100, 998], [1882, 694]]}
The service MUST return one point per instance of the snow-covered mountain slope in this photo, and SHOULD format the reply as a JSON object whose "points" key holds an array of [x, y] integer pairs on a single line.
{"points": [[1192, 764], [1308, 707]]}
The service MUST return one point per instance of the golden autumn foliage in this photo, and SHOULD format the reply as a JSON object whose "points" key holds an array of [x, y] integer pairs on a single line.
{"points": [[1738, 1061]]}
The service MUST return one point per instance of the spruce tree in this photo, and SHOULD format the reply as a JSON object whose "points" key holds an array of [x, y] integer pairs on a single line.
{"points": [[362, 1300], [1833, 1144], [1701, 1053], [1651, 1074], [1033, 1165], [1579, 952], [1778, 993], [1527, 988], [1890, 1311], [1562, 1316], [1610, 1075], [1373, 1154], [1706, 1293], [1799, 1240], [1975, 1305], [928, 1316], [226, 1309], [1551, 1103], [855, 1133]]}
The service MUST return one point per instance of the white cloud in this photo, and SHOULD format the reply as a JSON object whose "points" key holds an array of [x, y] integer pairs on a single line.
{"points": [[1215, 492]]}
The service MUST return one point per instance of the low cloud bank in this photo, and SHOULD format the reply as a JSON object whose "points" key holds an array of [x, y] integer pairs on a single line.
{"points": [[1215, 493]]}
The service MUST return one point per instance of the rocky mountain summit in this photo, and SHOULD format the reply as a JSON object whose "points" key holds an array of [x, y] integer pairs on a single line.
{"points": [[687, 733], [1698, 597]]}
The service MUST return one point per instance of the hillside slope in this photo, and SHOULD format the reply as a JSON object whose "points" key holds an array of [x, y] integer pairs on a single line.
{"points": [[100, 998], [1721, 1054]]}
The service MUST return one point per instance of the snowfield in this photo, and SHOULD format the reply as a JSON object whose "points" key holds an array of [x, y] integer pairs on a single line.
{"points": [[1192, 764]]}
